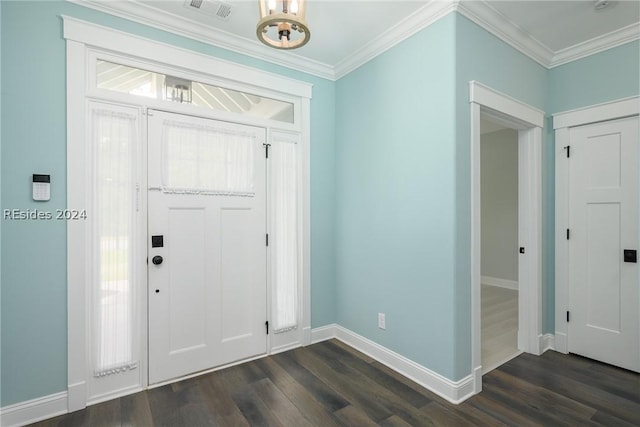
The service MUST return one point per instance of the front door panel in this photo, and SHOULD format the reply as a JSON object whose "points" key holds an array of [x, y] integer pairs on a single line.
{"points": [[207, 296]]}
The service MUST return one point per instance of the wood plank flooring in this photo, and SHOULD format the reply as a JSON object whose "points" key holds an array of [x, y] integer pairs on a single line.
{"points": [[330, 384], [499, 315]]}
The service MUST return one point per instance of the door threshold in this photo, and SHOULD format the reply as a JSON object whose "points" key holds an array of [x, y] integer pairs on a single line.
{"points": [[205, 371], [491, 367]]}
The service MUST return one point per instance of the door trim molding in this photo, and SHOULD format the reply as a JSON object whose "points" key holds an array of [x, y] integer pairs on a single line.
{"points": [[91, 34], [597, 113], [485, 101], [83, 40], [562, 122]]}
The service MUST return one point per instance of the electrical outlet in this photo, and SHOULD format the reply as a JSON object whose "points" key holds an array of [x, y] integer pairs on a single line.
{"points": [[382, 322]]}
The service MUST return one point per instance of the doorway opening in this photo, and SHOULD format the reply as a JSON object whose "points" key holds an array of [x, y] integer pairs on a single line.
{"points": [[499, 233], [509, 113]]}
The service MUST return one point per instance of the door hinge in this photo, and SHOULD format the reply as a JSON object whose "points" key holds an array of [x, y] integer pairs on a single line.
{"points": [[267, 238], [266, 149], [568, 148], [267, 325], [568, 234], [567, 316]]}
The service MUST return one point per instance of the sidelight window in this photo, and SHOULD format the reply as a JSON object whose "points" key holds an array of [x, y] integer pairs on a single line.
{"points": [[115, 144]]}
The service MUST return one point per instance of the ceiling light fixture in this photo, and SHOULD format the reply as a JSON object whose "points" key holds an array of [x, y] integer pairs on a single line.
{"points": [[282, 24]]}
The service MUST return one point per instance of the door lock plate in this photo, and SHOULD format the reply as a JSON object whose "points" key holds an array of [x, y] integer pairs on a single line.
{"points": [[157, 241], [630, 255]]}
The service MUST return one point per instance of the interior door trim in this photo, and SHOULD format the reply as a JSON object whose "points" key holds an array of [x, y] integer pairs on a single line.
{"points": [[528, 121]]}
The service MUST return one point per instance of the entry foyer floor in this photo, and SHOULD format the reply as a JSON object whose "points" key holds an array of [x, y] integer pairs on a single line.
{"points": [[330, 384]]}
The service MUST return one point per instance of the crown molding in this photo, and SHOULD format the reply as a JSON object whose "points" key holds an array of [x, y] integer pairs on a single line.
{"points": [[478, 11], [613, 39], [487, 17], [422, 18], [179, 25]]}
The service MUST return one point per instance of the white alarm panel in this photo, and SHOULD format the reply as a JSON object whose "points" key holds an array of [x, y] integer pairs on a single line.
{"points": [[41, 187]]}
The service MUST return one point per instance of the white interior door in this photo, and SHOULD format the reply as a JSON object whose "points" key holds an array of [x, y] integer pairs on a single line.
{"points": [[603, 223], [207, 292]]}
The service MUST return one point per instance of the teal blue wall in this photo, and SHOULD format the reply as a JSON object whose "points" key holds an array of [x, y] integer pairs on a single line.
{"points": [[33, 294], [34, 327], [483, 57], [605, 76], [395, 151]]}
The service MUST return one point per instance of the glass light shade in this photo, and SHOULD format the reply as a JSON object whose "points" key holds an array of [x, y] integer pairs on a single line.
{"points": [[282, 24], [177, 89]]}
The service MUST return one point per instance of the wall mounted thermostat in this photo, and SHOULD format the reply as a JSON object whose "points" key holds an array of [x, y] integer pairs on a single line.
{"points": [[41, 187]]}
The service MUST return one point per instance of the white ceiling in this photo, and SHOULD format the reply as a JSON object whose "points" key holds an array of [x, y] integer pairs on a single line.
{"points": [[562, 24], [345, 34], [337, 28]]}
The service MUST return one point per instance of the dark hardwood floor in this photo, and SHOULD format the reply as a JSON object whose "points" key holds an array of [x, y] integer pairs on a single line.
{"points": [[330, 384]]}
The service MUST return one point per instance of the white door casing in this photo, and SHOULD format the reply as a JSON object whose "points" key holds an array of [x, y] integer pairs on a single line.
{"points": [[563, 122], [529, 122], [207, 298], [87, 43], [603, 222]]}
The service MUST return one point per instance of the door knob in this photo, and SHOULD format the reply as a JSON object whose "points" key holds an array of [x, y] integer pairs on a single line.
{"points": [[157, 260]]}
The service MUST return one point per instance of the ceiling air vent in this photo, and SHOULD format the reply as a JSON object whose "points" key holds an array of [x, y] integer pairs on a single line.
{"points": [[213, 8]]}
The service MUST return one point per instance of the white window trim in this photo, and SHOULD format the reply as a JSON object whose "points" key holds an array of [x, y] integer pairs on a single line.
{"points": [[84, 39], [529, 121], [562, 122], [160, 104], [103, 37]]}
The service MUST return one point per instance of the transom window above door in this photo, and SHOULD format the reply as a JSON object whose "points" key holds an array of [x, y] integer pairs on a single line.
{"points": [[135, 81]]}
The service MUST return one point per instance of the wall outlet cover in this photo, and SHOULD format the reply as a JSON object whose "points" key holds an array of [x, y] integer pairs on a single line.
{"points": [[382, 322]]}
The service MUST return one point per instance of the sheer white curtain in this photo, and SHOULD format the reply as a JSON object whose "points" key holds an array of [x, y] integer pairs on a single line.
{"points": [[284, 166], [202, 159], [115, 143]]}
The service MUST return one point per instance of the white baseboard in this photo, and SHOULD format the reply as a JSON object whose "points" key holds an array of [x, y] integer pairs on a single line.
{"points": [[477, 380], [323, 333], [500, 283], [77, 396], [546, 342], [306, 335], [453, 391], [31, 411], [561, 345]]}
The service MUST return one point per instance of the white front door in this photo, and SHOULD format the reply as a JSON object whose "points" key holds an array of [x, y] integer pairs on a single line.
{"points": [[207, 250], [603, 224]]}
